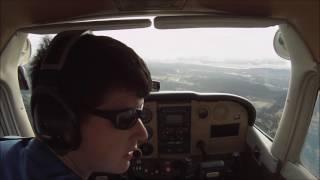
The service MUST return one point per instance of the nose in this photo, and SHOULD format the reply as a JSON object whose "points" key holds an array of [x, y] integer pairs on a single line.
{"points": [[141, 132]]}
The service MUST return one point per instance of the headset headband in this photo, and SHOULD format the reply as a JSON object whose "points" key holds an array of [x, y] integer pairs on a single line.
{"points": [[59, 49], [56, 57]]}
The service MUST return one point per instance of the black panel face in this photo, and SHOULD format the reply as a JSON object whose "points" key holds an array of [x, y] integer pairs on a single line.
{"points": [[224, 130], [174, 129]]}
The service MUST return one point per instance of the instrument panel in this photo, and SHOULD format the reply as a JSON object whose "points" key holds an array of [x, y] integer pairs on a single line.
{"points": [[190, 127]]}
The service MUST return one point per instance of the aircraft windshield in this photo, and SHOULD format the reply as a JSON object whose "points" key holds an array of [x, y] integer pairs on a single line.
{"points": [[241, 61]]}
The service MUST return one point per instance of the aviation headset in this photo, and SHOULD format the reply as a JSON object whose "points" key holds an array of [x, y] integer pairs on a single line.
{"points": [[55, 121]]}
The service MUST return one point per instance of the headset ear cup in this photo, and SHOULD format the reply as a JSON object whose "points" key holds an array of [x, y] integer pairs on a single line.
{"points": [[55, 123], [54, 119]]}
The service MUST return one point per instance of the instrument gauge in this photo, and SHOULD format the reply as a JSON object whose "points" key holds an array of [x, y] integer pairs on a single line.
{"points": [[220, 112], [203, 113]]}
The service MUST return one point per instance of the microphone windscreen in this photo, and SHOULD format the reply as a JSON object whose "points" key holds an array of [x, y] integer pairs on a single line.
{"points": [[137, 154]]}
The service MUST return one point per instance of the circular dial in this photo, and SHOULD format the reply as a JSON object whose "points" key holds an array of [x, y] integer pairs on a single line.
{"points": [[203, 113], [220, 112]]}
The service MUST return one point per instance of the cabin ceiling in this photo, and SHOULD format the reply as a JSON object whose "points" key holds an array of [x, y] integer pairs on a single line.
{"points": [[15, 14]]}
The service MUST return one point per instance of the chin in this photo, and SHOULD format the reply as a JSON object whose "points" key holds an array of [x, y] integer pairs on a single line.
{"points": [[121, 168], [126, 167]]}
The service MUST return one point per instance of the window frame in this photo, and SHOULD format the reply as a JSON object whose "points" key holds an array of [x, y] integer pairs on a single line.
{"points": [[317, 98]]}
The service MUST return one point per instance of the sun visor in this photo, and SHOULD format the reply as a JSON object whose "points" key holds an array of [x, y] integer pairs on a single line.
{"points": [[203, 21], [280, 46], [92, 25]]}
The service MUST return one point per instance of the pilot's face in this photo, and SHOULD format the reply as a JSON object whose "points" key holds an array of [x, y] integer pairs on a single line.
{"points": [[106, 148]]}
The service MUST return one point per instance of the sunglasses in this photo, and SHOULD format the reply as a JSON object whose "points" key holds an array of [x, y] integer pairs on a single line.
{"points": [[121, 119]]}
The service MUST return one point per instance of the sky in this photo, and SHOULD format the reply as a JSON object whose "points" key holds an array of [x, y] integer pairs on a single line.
{"points": [[218, 42], [222, 45]]}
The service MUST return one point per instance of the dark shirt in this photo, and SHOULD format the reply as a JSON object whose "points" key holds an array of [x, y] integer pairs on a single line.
{"points": [[30, 159]]}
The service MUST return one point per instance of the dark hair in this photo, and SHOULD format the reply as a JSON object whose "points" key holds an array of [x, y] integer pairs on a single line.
{"points": [[96, 65]]}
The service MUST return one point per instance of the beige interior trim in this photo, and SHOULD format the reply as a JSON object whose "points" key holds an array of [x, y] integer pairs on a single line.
{"points": [[301, 89], [220, 113], [192, 21], [258, 141], [92, 25], [8, 73], [292, 171], [304, 118]]}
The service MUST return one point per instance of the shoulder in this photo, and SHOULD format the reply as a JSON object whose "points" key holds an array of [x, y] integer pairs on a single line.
{"points": [[12, 143], [11, 148], [29, 158]]}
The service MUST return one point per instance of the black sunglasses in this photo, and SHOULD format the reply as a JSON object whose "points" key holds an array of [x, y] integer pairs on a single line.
{"points": [[121, 119]]}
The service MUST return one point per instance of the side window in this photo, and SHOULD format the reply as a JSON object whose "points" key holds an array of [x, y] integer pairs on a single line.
{"points": [[24, 71], [310, 155], [24, 84]]}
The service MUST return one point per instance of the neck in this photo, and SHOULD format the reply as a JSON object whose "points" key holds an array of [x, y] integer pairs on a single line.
{"points": [[77, 164]]}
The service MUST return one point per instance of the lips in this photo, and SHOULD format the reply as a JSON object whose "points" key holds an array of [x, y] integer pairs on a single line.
{"points": [[134, 152]]}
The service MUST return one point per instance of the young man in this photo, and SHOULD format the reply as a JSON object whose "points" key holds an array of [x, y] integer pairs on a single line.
{"points": [[87, 100]]}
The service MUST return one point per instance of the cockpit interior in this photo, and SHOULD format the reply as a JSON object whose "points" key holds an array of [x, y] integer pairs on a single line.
{"points": [[195, 136], [236, 87]]}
